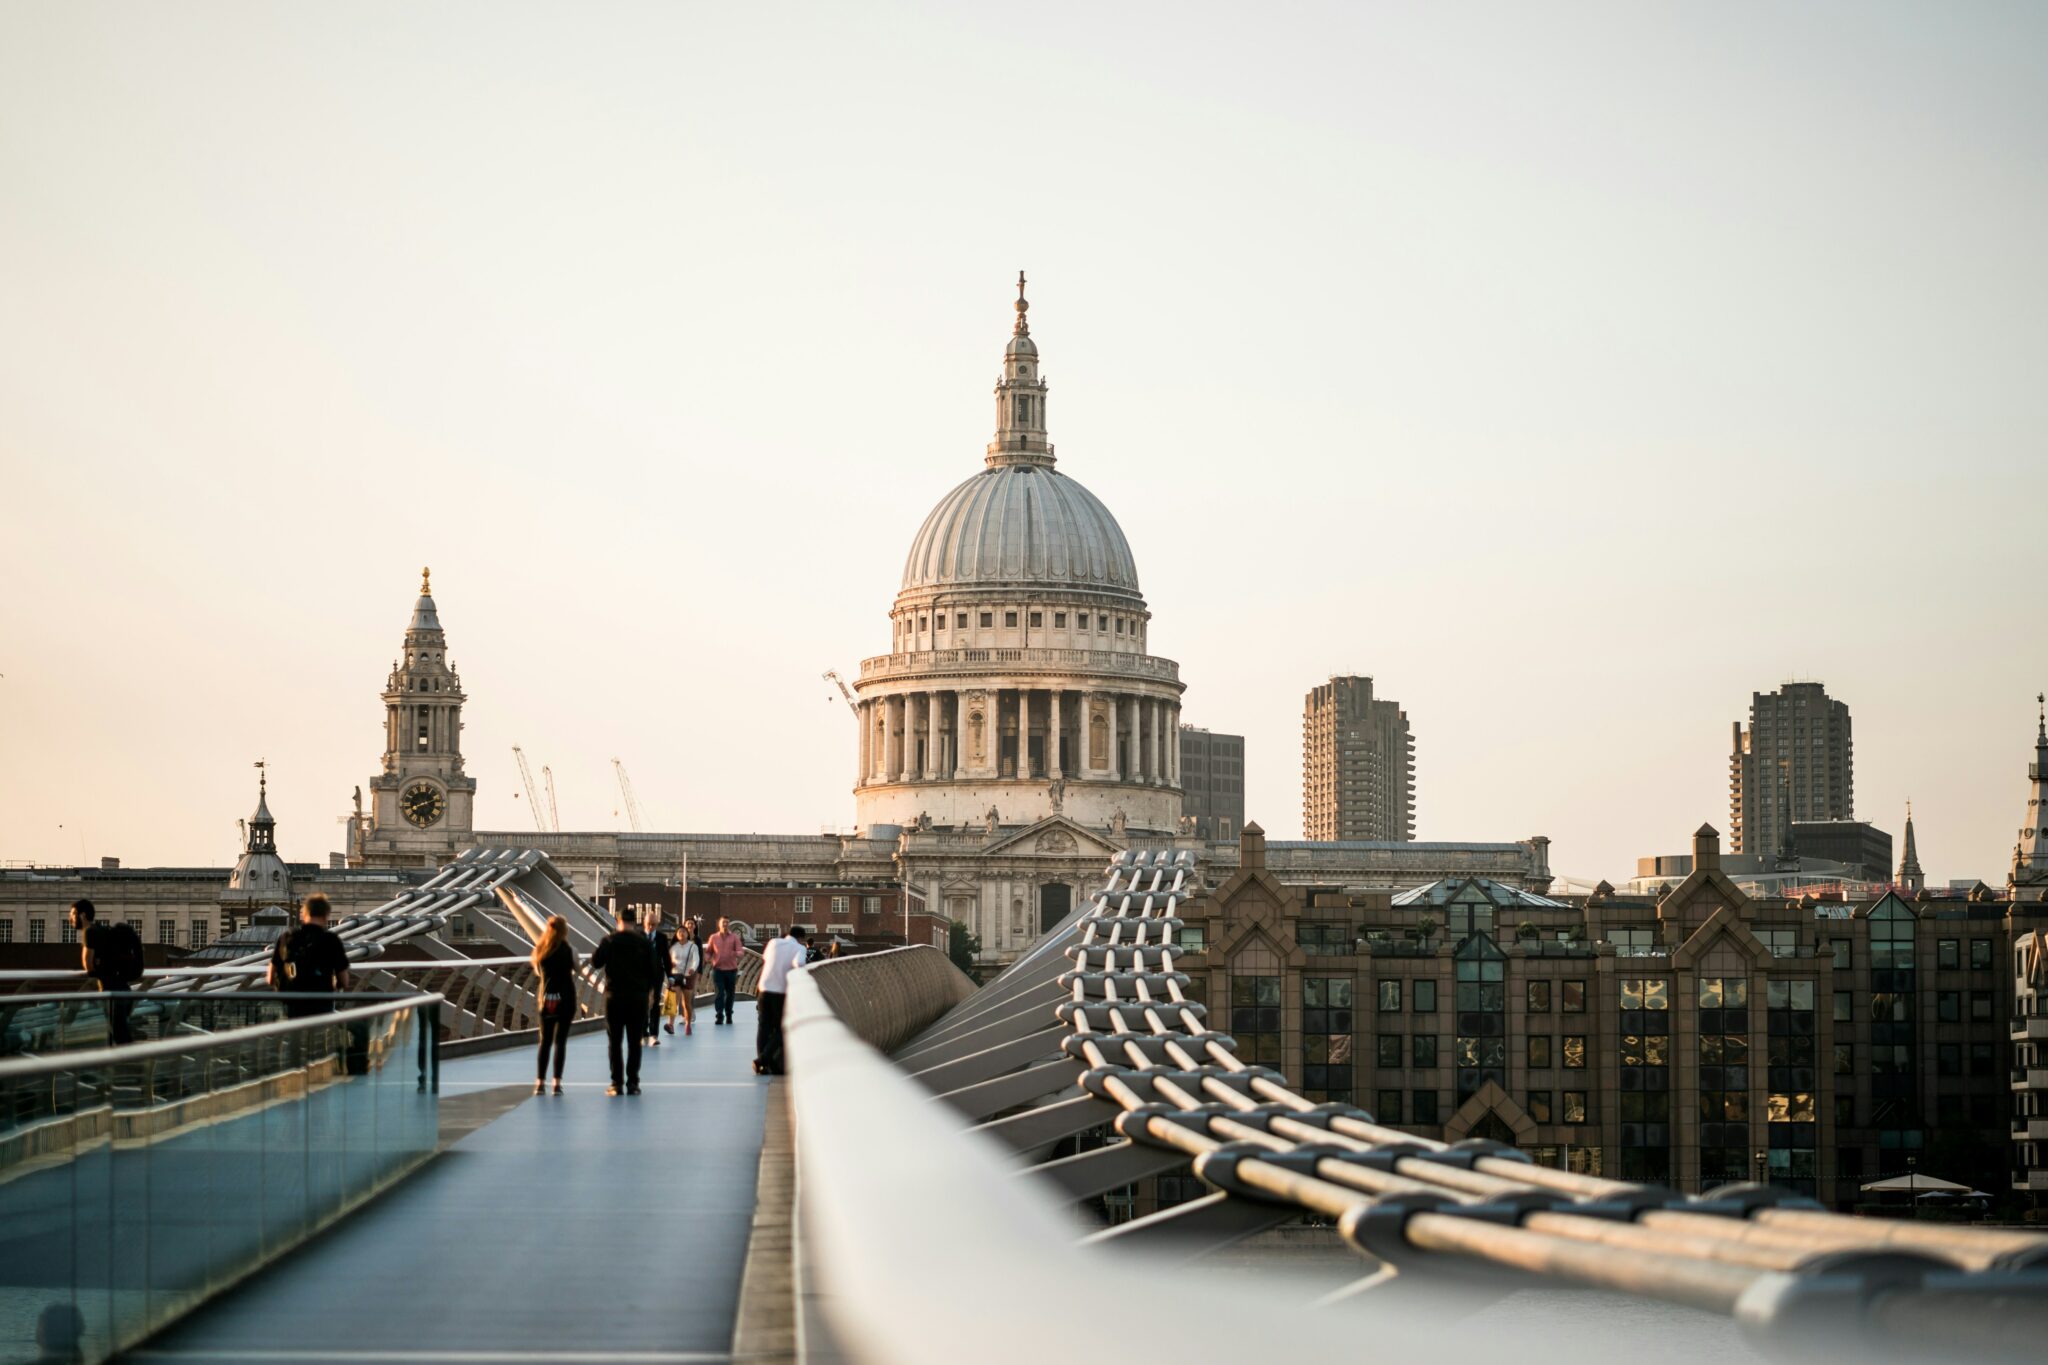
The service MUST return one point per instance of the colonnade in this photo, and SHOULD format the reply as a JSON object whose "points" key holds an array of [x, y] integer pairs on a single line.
{"points": [[1076, 734]]}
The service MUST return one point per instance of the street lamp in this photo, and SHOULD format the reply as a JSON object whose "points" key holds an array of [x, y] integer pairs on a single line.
{"points": [[1762, 1157]]}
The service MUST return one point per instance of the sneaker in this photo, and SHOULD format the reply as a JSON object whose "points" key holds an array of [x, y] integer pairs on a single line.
{"points": [[632, 1090], [668, 1027], [611, 1090], [538, 1087], [558, 1087]]}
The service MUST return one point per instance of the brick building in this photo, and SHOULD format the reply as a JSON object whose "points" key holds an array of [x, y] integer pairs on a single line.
{"points": [[1696, 1038]]}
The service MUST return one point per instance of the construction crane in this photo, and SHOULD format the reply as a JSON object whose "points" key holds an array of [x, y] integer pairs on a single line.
{"points": [[547, 778], [532, 792], [626, 790], [832, 676]]}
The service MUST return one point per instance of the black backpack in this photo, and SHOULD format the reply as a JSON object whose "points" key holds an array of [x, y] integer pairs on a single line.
{"points": [[310, 976], [119, 951]]}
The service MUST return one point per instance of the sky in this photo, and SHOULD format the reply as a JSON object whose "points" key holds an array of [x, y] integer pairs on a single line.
{"points": [[1575, 371]]}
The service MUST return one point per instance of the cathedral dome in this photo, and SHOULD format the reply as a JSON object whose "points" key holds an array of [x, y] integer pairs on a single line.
{"points": [[1021, 524]]}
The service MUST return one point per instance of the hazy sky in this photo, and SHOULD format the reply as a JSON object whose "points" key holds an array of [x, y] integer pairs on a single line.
{"points": [[1573, 370]]}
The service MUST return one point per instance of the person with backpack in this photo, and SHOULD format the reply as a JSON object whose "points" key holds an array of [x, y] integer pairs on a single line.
{"points": [[111, 956], [309, 961], [724, 951], [627, 961], [555, 962]]}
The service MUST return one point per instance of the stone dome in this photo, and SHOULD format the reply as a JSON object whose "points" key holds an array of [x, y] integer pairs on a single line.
{"points": [[1015, 524]]}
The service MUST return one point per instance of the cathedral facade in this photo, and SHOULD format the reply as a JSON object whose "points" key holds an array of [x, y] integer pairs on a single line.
{"points": [[1018, 733]]}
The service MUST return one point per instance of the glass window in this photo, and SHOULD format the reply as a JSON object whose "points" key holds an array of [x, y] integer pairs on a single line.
{"points": [[1574, 1050], [988, 618], [1037, 619], [1424, 1045], [1948, 1059], [1010, 618], [1948, 954], [1981, 1057], [871, 904], [166, 930], [1980, 954], [1425, 1107], [1539, 997], [1845, 1059], [1081, 620], [1980, 1006], [1390, 1050], [960, 621], [1425, 997], [1574, 1106], [1390, 996], [1388, 1110], [1539, 1050], [1255, 1017], [1948, 1006], [1573, 994], [1845, 1006], [1838, 948], [37, 928], [1539, 1105]]}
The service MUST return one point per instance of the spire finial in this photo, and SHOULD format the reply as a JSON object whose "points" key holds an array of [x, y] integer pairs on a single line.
{"points": [[1023, 328], [426, 582], [2041, 700], [262, 776]]}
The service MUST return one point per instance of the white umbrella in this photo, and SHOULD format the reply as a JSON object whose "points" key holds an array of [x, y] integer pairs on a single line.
{"points": [[1915, 1183]]}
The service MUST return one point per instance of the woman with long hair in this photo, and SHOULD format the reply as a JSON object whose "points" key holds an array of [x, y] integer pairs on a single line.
{"points": [[684, 965], [555, 960]]}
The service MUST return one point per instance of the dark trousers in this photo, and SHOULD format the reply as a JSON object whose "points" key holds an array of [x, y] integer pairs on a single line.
{"points": [[768, 1030], [554, 1036], [623, 1019], [654, 1012], [723, 983], [120, 1005]]}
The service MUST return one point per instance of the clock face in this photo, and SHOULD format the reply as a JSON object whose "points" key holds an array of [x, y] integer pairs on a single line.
{"points": [[423, 803]]}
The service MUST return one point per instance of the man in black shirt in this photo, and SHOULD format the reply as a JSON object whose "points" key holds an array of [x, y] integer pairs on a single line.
{"points": [[627, 960], [309, 961], [112, 957]]}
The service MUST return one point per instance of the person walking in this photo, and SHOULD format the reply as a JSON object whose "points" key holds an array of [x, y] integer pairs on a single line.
{"points": [[111, 955], [685, 961], [778, 960], [309, 962], [650, 925], [627, 961], [555, 960], [724, 951]]}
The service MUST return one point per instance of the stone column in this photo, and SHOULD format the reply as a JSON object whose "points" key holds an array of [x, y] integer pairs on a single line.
{"points": [[896, 719], [959, 734], [1158, 709], [916, 722], [1173, 734], [860, 744], [1115, 755], [1024, 732], [935, 702], [1081, 740], [1052, 737]]}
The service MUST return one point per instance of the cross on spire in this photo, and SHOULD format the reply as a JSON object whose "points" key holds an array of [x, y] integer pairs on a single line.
{"points": [[1023, 327]]}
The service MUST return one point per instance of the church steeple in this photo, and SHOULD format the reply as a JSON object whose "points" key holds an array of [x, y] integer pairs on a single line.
{"points": [[2029, 879], [1910, 876], [1020, 397], [423, 801], [262, 827]]}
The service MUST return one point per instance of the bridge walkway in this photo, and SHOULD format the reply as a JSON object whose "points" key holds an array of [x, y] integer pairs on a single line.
{"points": [[619, 1224]]}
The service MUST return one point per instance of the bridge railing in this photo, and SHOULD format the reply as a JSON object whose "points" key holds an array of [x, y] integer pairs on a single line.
{"points": [[137, 1181], [887, 998]]}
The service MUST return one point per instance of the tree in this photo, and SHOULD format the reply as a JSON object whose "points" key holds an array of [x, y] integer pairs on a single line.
{"points": [[962, 946]]}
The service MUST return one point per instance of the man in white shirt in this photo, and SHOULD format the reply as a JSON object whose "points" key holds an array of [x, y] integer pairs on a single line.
{"points": [[781, 957]]}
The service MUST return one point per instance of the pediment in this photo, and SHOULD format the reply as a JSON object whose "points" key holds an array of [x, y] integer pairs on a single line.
{"points": [[1720, 925], [1053, 837], [1491, 1099]]}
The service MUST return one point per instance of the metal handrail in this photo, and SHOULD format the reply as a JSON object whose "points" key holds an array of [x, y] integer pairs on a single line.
{"points": [[915, 1290], [171, 1047]]}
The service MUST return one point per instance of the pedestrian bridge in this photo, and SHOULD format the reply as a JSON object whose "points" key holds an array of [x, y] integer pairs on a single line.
{"points": [[926, 1185]]}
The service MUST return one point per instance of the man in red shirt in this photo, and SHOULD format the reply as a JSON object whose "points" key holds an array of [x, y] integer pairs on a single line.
{"points": [[724, 950]]}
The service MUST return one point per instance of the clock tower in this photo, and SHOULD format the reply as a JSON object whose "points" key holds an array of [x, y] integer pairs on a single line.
{"points": [[422, 806]]}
